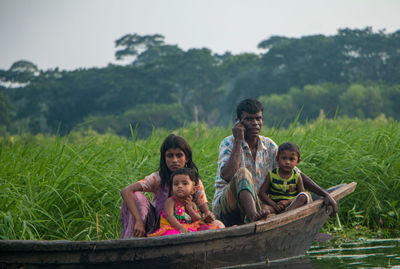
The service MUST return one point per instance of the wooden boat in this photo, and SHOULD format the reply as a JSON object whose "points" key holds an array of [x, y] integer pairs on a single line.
{"points": [[280, 236]]}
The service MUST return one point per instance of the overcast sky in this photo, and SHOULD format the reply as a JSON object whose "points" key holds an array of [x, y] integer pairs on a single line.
{"points": [[72, 34]]}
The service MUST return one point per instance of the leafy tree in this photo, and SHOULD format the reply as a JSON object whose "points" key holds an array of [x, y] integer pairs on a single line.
{"points": [[134, 44], [365, 53], [313, 72], [145, 50], [6, 113], [315, 99], [299, 61], [235, 65], [279, 109], [154, 53], [145, 116], [362, 101], [20, 73], [239, 73], [349, 57], [391, 95], [199, 83]]}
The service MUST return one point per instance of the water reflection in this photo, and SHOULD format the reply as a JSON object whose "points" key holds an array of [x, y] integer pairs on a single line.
{"points": [[333, 254], [301, 263], [361, 254]]}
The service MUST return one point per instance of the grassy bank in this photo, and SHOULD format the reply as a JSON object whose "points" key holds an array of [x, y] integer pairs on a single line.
{"points": [[68, 188]]}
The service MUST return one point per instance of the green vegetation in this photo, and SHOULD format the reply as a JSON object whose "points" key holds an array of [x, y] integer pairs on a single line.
{"points": [[68, 188], [354, 73]]}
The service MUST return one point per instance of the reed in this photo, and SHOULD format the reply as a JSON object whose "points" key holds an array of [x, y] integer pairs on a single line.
{"points": [[68, 188]]}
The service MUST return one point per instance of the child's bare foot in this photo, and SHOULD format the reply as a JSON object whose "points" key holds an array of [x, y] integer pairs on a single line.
{"points": [[262, 214]]}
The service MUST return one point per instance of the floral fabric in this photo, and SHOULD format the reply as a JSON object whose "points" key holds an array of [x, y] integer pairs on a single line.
{"points": [[184, 219]]}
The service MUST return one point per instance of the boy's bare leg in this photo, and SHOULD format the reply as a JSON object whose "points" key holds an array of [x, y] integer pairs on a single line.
{"points": [[247, 202], [300, 200]]}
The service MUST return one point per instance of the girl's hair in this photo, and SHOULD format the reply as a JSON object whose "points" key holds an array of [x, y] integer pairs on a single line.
{"points": [[189, 172], [172, 142]]}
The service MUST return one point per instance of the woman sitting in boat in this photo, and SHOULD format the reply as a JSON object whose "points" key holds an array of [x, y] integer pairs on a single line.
{"points": [[180, 214], [283, 187], [139, 216]]}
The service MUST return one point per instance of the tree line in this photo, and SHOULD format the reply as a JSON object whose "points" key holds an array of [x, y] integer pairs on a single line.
{"points": [[355, 73]]}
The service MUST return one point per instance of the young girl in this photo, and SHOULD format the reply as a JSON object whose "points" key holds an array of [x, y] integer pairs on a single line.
{"points": [[180, 214], [283, 187], [139, 216]]}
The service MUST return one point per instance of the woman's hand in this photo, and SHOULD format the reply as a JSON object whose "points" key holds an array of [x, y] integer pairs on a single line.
{"points": [[209, 217], [139, 230], [183, 230], [189, 205]]}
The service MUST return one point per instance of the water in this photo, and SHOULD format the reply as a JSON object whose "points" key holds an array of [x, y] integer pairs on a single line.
{"points": [[361, 254], [383, 253]]}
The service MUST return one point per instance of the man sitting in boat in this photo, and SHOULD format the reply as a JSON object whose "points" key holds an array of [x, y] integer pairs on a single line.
{"points": [[283, 188], [244, 160]]}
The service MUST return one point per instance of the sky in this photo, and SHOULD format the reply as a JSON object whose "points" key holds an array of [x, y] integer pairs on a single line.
{"points": [[72, 34]]}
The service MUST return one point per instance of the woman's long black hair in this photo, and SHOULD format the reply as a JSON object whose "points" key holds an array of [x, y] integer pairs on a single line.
{"points": [[172, 142]]}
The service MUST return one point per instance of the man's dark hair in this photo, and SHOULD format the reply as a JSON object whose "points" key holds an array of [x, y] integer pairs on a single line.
{"points": [[290, 147], [250, 106]]}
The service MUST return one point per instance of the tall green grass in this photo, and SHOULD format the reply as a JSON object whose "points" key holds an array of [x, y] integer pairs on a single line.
{"points": [[68, 188]]}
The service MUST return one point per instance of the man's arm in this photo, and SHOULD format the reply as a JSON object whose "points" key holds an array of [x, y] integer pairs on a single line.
{"points": [[310, 185], [232, 165]]}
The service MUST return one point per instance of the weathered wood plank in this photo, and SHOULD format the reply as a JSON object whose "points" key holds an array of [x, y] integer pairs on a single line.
{"points": [[280, 236]]}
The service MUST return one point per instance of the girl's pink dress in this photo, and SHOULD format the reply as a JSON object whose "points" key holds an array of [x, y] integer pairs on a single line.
{"points": [[166, 228]]}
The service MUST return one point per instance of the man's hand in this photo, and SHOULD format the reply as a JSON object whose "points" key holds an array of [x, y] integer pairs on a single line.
{"points": [[232, 165], [329, 201], [238, 131]]}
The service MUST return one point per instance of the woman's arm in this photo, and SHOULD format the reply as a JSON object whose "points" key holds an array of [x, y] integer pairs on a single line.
{"points": [[201, 201], [128, 196], [208, 216], [169, 208], [191, 209]]}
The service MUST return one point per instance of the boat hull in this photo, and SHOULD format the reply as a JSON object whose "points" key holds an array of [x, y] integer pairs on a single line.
{"points": [[280, 236]]}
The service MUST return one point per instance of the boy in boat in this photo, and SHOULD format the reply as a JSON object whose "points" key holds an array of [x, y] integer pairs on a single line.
{"points": [[283, 187], [244, 160]]}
